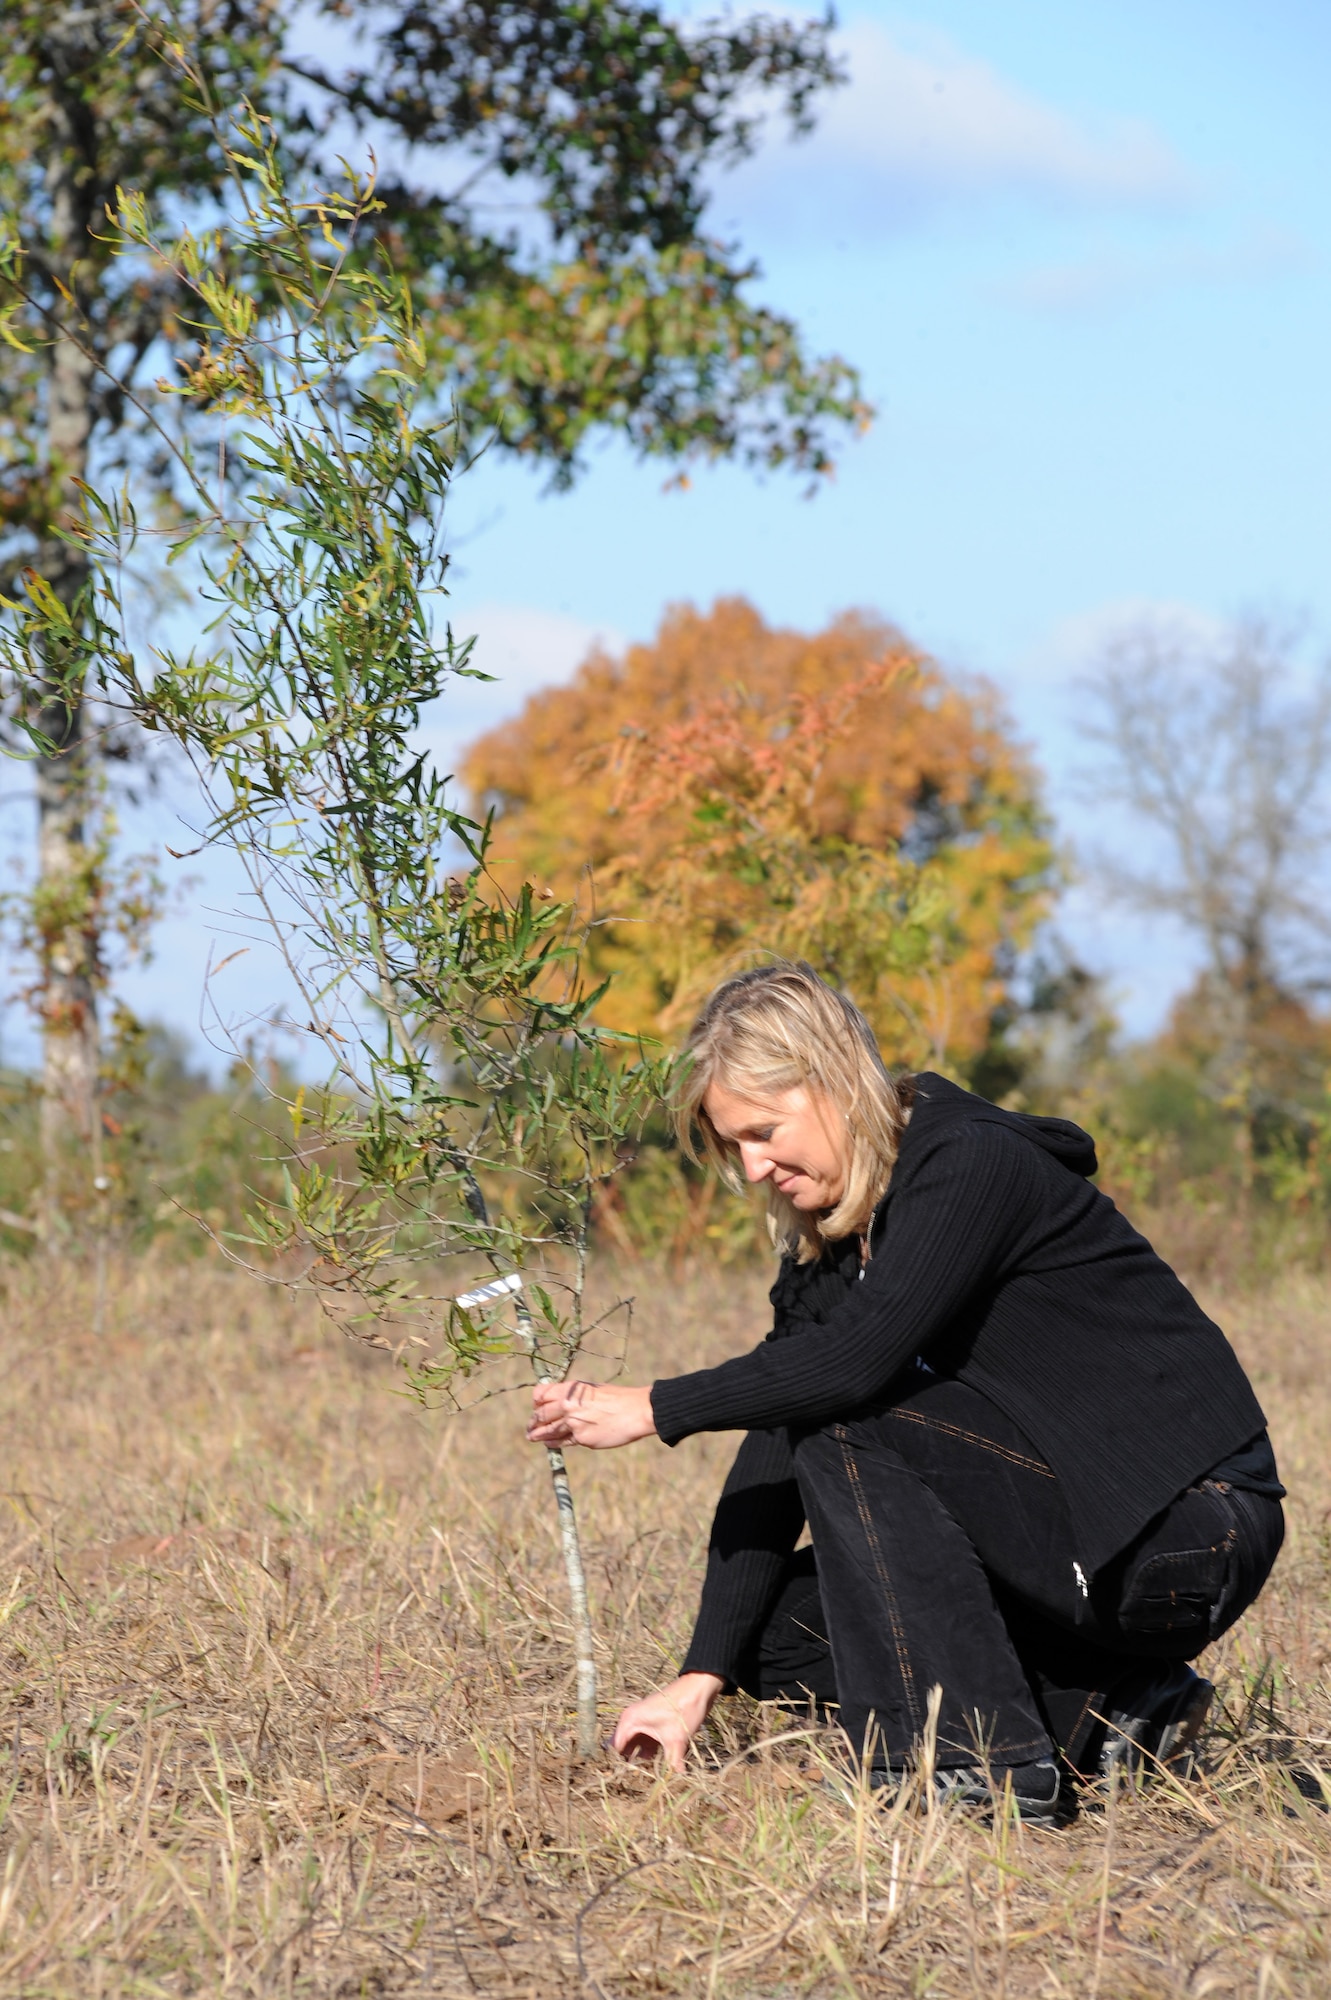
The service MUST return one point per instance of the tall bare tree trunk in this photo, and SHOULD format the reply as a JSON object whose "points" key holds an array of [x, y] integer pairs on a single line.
{"points": [[66, 900]]}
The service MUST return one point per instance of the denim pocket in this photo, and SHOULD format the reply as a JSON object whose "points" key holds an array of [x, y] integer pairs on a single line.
{"points": [[1176, 1591], [1182, 1570]]}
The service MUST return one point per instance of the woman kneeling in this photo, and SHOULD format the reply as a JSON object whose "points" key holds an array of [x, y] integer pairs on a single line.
{"points": [[1033, 1471]]}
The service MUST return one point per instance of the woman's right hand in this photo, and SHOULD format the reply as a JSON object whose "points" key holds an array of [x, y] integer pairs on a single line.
{"points": [[665, 1723]]}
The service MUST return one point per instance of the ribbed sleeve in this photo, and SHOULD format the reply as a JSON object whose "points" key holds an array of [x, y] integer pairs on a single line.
{"points": [[956, 1212], [757, 1524]]}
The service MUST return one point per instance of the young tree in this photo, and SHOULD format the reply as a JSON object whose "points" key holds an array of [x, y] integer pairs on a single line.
{"points": [[469, 1107], [1220, 748], [730, 790], [614, 311]]}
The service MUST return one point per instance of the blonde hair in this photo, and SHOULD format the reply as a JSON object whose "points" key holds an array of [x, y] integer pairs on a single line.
{"points": [[775, 1028]]}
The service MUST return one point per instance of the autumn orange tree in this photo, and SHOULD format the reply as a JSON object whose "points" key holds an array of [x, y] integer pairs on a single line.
{"points": [[731, 790]]}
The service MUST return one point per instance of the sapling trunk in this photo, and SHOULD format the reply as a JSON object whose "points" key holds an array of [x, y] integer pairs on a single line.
{"points": [[572, 1545], [584, 1657]]}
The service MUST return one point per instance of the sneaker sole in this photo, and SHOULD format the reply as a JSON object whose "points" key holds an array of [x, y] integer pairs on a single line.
{"points": [[1178, 1740], [1175, 1750], [1031, 1812]]}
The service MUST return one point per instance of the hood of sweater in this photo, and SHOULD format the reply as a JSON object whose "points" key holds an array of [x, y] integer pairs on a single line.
{"points": [[938, 1102]]}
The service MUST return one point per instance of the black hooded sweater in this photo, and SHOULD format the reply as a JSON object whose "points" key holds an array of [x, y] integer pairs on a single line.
{"points": [[995, 1261]]}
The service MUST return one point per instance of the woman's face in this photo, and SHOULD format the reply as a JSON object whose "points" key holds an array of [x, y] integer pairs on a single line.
{"points": [[793, 1138]]}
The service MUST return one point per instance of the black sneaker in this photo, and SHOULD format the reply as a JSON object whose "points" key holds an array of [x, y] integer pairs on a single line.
{"points": [[1035, 1788], [1154, 1720]]}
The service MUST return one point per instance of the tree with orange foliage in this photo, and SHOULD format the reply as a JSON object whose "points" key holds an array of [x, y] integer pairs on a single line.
{"points": [[732, 790]]}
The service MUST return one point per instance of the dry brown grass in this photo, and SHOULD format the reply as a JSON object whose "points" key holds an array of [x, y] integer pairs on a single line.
{"points": [[288, 1706]]}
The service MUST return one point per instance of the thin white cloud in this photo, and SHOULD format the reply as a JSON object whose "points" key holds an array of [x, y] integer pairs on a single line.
{"points": [[924, 122], [950, 120], [525, 649], [1071, 646], [529, 649], [1118, 278]]}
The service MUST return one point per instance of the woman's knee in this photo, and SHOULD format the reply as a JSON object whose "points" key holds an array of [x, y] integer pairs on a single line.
{"points": [[823, 1459]]}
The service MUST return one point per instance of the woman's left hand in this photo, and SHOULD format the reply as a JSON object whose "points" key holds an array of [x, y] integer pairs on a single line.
{"points": [[598, 1415]]}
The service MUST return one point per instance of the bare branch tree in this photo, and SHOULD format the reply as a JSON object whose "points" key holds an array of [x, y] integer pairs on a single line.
{"points": [[1219, 746]]}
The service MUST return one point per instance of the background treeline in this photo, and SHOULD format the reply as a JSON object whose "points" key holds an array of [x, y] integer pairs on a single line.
{"points": [[731, 790]]}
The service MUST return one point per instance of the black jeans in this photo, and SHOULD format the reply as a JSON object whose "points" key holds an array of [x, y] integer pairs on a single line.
{"points": [[943, 1554]]}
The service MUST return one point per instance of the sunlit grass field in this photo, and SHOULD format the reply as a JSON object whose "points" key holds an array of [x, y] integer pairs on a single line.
{"points": [[287, 1701]]}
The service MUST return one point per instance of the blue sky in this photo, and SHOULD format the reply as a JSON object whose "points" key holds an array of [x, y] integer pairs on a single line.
{"points": [[1082, 255]]}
